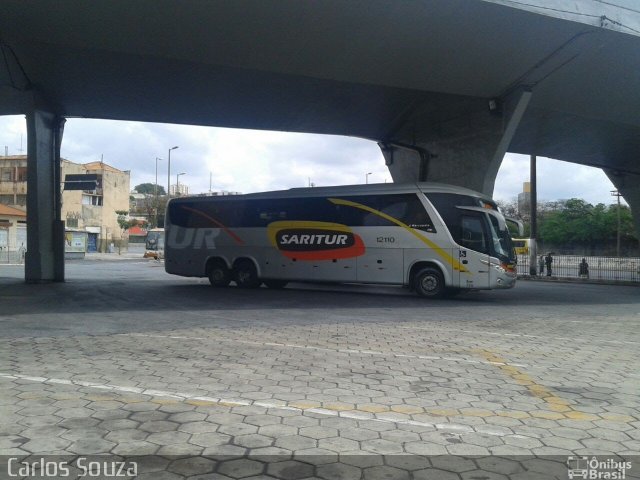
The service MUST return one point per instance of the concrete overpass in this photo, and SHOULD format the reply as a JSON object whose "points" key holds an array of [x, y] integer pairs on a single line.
{"points": [[445, 87]]}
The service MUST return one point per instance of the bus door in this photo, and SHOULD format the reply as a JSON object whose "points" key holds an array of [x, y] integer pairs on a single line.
{"points": [[473, 252]]}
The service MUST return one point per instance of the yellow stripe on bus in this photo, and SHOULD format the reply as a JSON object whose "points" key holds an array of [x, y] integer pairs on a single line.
{"points": [[430, 243]]}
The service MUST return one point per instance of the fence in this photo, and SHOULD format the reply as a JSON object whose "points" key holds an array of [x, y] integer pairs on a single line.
{"points": [[599, 268], [10, 254]]}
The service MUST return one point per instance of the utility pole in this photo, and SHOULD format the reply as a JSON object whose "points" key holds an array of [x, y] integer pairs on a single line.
{"points": [[155, 191], [169, 172], [616, 193], [533, 206]]}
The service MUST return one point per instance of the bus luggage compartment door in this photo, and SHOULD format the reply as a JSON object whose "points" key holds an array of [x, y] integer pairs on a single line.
{"points": [[381, 265], [334, 270]]}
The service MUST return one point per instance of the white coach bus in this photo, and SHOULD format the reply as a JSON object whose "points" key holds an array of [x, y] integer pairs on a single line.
{"points": [[435, 238]]}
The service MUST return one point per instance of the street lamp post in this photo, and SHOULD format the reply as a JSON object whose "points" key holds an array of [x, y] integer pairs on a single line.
{"points": [[366, 177], [616, 193], [169, 172], [178, 183], [155, 191]]}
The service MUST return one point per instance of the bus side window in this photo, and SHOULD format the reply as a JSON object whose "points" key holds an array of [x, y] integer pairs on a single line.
{"points": [[472, 234]]}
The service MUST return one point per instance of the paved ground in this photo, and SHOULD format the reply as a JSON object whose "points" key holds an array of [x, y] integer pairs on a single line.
{"points": [[317, 382]]}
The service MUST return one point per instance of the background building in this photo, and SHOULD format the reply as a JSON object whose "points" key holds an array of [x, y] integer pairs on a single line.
{"points": [[13, 234], [94, 211], [91, 211], [179, 190], [524, 200], [13, 181]]}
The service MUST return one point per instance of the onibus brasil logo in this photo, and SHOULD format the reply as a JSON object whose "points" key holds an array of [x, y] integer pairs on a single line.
{"points": [[595, 468]]}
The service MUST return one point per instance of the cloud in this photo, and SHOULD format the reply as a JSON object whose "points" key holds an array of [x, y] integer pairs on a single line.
{"points": [[557, 180], [249, 160]]}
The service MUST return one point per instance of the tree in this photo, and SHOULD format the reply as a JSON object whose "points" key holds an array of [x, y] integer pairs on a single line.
{"points": [[575, 222], [124, 221], [149, 189]]}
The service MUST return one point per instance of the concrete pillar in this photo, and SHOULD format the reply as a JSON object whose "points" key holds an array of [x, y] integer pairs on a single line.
{"points": [[628, 185], [44, 261], [466, 150]]}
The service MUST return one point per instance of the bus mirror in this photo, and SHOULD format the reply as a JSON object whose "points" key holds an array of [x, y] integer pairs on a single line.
{"points": [[517, 223]]}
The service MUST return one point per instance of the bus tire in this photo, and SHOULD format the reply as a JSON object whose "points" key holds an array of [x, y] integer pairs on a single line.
{"points": [[218, 273], [429, 282], [276, 284], [246, 275]]}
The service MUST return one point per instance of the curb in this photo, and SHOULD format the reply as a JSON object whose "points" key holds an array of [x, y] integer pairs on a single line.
{"points": [[553, 279]]}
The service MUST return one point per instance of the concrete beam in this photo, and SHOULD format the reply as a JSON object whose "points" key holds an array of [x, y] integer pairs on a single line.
{"points": [[466, 150], [44, 261]]}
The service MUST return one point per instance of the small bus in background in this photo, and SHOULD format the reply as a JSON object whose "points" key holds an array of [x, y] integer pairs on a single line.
{"points": [[154, 244], [434, 238], [521, 245]]}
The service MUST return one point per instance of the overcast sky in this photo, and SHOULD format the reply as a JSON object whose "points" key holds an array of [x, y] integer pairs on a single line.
{"points": [[250, 161]]}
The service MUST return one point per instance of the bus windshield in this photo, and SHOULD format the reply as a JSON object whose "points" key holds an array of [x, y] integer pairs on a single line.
{"points": [[155, 240], [501, 239], [465, 227]]}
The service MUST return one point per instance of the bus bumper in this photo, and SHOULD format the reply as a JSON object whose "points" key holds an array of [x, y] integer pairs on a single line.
{"points": [[505, 279]]}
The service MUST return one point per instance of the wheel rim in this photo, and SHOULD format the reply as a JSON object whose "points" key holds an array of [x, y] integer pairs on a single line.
{"points": [[217, 275], [243, 276], [429, 283]]}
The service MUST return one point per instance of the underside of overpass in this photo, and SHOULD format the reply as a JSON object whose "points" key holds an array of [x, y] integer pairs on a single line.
{"points": [[445, 87]]}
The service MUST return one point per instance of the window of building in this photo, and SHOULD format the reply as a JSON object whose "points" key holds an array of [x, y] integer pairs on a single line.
{"points": [[95, 200], [22, 174]]}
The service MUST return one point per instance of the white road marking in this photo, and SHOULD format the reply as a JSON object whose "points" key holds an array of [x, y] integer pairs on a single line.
{"points": [[185, 396]]}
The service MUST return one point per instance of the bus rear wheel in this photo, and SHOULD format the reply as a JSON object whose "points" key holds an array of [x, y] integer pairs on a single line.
{"points": [[276, 284], [429, 283], [246, 275], [219, 275]]}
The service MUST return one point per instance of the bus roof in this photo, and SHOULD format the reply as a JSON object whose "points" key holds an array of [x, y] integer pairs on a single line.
{"points": [[369, 189]]}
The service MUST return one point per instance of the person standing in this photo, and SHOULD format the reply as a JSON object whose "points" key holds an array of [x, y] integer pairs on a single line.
{"points": [[541, 264], [583, 269], [548, 260]]}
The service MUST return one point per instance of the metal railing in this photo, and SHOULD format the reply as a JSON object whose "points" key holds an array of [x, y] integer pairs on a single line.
{"points": [[12, 255], [599, 268]]}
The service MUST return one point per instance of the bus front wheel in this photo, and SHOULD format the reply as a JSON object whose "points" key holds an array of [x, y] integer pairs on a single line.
{"points": [[219, 275], [246, 275], [429, 282]]}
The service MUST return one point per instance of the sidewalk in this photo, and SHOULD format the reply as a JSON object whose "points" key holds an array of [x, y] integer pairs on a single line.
{"points": [[115, 256], [591, 281]]}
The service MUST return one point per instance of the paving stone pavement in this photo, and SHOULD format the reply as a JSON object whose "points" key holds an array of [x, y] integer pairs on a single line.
{"points": [[309, 383]]}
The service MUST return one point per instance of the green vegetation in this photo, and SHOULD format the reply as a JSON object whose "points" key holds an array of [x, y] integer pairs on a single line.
{"points": [[124, 221], [149, 189], [577, 223]]}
